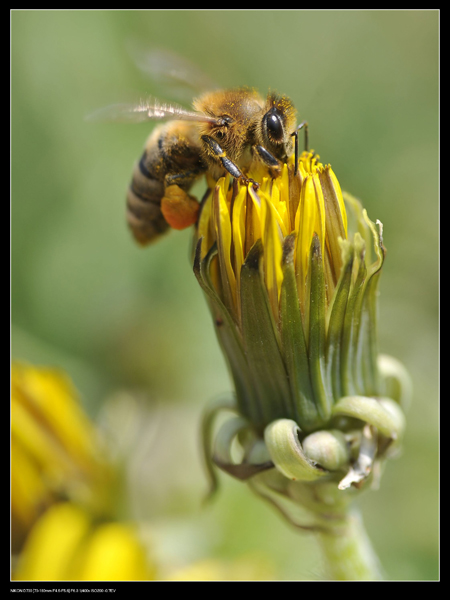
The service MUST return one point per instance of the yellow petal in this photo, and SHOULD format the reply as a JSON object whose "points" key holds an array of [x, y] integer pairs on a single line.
{"points": [[320, 214], [51, 401], [256, 204], [279, 208], [338, 192], [222, 222], [205, 230], [252, 219], [238, 228], [37, 440], [272, 243], [310, 219], [51, 547], [283, 184], [114, 553], [29, 494]]}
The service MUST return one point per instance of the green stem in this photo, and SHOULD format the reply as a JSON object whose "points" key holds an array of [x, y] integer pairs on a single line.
{"points": [[348, 553]]}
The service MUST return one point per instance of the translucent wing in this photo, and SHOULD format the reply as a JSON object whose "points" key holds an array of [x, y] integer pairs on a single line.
{"points": [[178, 76], [149, 110]]}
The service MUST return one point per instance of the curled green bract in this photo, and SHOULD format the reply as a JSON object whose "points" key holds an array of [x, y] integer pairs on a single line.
{"points": [[286, 452], [397, 382], [382, 414], [225, 437], [327, 448], [250, 464]]}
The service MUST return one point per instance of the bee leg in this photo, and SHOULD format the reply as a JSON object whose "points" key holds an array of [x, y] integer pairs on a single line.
{"points": [[214, 149], [269, 160], [303, 125], [184, 180]]}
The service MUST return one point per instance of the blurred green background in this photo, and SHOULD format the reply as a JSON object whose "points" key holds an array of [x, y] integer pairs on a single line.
{"points": [[125, 320]]}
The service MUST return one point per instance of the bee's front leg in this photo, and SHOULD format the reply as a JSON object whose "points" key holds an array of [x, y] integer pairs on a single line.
{"points": [[214, 149], [268, 159]]}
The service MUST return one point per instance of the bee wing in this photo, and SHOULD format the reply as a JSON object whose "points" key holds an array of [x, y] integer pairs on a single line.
{"points": [[175, 73], [149, 110]]}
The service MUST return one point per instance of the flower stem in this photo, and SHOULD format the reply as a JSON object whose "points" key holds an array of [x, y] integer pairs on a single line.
{"points": [[348, 552]]}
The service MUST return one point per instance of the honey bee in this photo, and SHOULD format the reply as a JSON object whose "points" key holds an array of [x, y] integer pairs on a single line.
{"points": [[224, 133]]}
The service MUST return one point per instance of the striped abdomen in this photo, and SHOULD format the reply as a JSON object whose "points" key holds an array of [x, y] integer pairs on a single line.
{"points": [[144, 195], [171, 156]]}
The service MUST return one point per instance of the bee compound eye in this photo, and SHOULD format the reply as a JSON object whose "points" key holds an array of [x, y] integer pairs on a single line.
{"points": [[274, 127]]}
